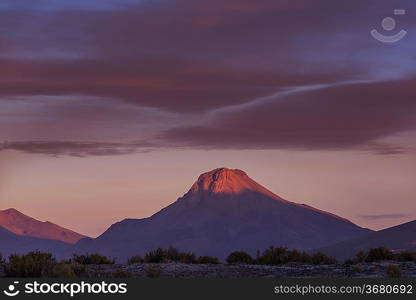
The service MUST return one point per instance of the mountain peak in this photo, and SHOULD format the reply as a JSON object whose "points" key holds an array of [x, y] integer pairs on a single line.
{"points": [[11, 211], [226, 181]]}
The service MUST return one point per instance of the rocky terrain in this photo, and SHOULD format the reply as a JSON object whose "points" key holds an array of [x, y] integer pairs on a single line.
{"points": [[177, 270]]}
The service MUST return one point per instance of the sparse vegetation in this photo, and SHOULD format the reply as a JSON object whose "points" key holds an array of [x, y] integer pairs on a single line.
{"points": [[319, 258], [156, 256], [381, 254], [93, 259], [38, 264], [170, 255], [280, 255], [32, 264], [135, 260], [240, 257], [273, 256], [406, 256], [361, 256]]}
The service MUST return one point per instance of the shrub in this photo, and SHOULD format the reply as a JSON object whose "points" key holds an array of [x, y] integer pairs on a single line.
{"points": [[156, 256], [406, 256], [379, 254], [281, 255], [170, 255], [239, 257], [135, 260], [93, 259], [393, 271], [273, 256], [361, 256], [186, 258], [32, 264], [2, 260], [382, 253], [208, 260], [319, 258]]}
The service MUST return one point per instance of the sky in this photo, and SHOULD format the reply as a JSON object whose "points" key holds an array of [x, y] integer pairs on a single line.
{"points": [[111, 109]]}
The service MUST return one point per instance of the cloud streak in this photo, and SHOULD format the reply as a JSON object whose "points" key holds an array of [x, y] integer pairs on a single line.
{"points": [[336, 117], [76, 149]]}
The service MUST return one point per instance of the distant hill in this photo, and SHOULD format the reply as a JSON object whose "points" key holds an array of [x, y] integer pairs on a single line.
{"points": [[397, 238], [11, 243], [224, 211], [22, 225]]}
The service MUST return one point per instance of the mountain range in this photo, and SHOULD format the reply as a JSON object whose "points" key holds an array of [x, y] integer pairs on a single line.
{"points": [[397, 238], [224, 210]]}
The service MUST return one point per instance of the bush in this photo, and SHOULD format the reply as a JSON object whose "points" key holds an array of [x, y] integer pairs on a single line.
{"points": [[2, 260], [187, 258], [379, 254], [208, 260], [319, 258], [361, 256], [239, 257], [93, 259], [382, 253], [156, 256], [393, 271], [135, 260], [274, 256], [33, 264], [406, 256], [170, 255]]}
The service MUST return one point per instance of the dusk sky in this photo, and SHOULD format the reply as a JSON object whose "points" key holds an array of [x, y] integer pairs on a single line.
{"points": [[110, 109]]}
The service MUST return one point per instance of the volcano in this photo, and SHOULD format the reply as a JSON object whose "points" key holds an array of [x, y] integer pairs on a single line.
{"points": [[224, 211]]}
